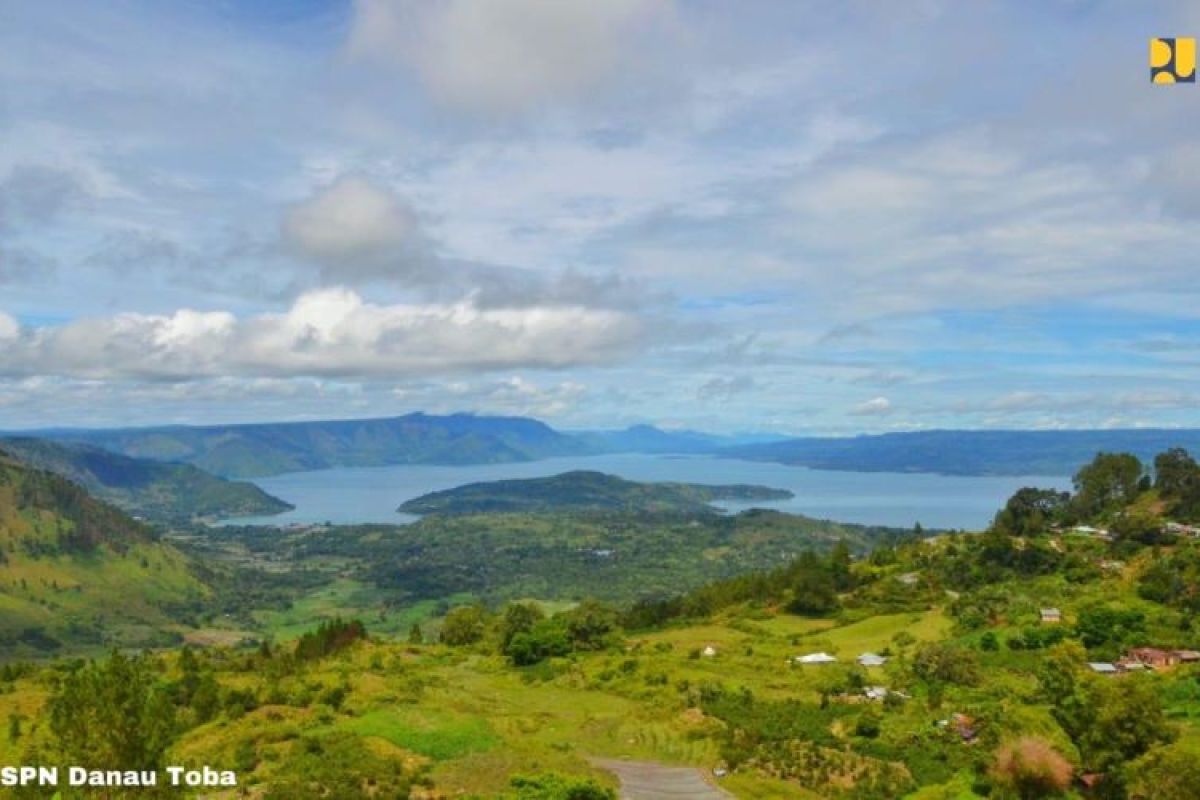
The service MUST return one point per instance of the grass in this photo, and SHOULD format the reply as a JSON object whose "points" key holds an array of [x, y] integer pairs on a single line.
{"points": [[437, 735]]}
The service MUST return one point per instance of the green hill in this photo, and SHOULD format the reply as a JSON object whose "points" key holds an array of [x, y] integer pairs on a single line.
{"points": [[256, 450], [75, 571], [583, 490], [151, 489]]}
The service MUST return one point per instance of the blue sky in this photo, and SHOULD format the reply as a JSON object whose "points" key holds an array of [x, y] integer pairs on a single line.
{"points": [[799, 217]]}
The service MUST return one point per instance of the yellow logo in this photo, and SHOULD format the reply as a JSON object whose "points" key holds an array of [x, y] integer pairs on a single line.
{"points": [[1173, 60]]}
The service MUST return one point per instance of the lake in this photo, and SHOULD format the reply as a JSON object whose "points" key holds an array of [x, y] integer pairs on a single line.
{"points": [[372, 494]]}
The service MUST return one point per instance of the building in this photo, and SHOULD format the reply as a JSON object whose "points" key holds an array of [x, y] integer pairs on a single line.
{"points": [[1103, 667], [709, 651], [871, 660], [1152, 657], [875, 692], [815, 658], [1186, 656], [1051, 616]]}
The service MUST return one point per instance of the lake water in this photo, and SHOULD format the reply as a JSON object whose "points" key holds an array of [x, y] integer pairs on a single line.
{"points": [[372, 494]]}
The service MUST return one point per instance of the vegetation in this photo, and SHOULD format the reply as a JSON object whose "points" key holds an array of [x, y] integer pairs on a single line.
{"points": [[515, 690], [76, 572], [583, 491], [150, 489]]}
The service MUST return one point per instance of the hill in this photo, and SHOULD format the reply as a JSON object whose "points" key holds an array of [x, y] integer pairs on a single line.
{"points": [[76, 571], [583, 490], [966, 452], [934, 671], [151, 489], [257, 450]]}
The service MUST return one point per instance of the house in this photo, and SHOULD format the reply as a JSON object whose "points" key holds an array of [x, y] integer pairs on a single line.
{"points": [[1182, 530], [966, 727], [1103, 667], [1088, 530], [871, 660], [1152, 657], [1051, 616], [815, 658], [1186, 656], [875, 692], [709, 651], [909, 578]]}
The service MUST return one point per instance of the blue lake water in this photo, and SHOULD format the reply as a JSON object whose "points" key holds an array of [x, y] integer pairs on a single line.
{"points": [[372, 494]]}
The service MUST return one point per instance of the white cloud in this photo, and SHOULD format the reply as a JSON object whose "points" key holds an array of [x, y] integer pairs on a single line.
{"points": [[876, 406], [331, 332], [355, 228], [504, 55]]}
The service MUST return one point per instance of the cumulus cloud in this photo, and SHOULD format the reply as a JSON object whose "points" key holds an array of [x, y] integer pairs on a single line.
{"points": [[504, 55], [876, 406], [331, 332], [356, 229]]}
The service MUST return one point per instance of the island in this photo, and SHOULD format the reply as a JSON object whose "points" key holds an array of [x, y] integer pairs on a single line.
{"points": [[583, 490]]}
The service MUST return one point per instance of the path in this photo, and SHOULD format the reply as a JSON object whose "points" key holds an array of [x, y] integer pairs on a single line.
{"points": [[641, 780]]}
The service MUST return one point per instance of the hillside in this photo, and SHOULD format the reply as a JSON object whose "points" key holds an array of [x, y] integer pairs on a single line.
{"points": [[257, 450], [151, 489], [583, 491], [966, 452], [75, 571], [1055, 663]]}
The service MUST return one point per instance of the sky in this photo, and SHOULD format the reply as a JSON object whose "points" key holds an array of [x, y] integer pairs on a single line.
{"points": [[801, 217]]}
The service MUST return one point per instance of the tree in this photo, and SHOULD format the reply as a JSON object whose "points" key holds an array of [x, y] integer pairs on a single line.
{"points": [[1109, 483], [936, 662], [462, 626], [1177, 478], [1141, 526], [813, 592], [1127, 721], [112, 713], [414, 634], [1030, 510], [839, 567], [1167, 773], [547, 639], [590, 625], [1031, 769], [518, 618]]}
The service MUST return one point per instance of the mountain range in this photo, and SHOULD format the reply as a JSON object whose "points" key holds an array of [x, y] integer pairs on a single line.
{"points": [[263, 449]]}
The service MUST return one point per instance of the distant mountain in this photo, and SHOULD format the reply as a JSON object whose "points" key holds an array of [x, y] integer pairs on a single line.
{"points": [[255, 450], [78, 572], [583, 491], [649, 439], [151, 489], [968, 452]]}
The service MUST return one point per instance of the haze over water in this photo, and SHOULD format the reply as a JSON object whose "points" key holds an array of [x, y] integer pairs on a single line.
{"points": [[372, 494]]}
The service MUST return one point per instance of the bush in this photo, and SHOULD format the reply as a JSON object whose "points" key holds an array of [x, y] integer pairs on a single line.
{"points": [[1031, 768]]}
